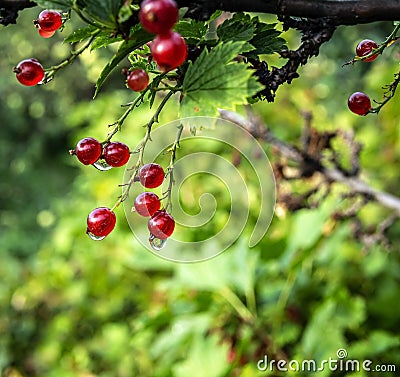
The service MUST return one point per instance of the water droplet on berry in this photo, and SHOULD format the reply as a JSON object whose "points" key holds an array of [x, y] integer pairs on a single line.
{"points": [[102, 165], [94, 237], [156, 243]]}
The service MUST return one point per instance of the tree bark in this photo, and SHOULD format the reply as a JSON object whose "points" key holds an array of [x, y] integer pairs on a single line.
{"points": [[342, 12]]}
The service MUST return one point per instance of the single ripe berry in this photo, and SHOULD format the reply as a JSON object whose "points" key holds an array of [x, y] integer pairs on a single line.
{"points": [[100, 222], [116, 154], [49, 20], [151, 175], [359, 103], [147, 203], [158, 16], [45, 34], [29, 72], [161, 225], [169, 51], [137, 80], [88, 150], [365, 47]]}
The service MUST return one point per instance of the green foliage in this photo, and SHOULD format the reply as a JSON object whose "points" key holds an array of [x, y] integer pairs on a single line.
{"points": [[262, 38], [213, 81], [73, 307], [55, 4]]}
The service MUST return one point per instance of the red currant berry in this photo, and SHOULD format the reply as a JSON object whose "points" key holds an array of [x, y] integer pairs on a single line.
{"points": [[161, 225], [29, 72], [45, 34], [137, 80], [100, 222], [359, 103], [151, 175], [365, 47], [147, 203], [88, 150], [169, 51], [49, 20], [116, 153], [158, 16]]}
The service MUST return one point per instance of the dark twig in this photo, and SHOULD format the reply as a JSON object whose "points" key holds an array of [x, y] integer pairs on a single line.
{"points": [[330, 174], [314, 34]]}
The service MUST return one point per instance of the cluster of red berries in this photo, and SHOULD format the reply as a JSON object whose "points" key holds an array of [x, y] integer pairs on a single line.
{"points": [[89, 151], [161, 224], [48, 22], [168, 49], [101, 221], [30, 72], [359, 103]]}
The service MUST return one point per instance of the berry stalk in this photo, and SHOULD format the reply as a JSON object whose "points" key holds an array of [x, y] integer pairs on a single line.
{"points": [[134, 177], [170, 169], [51, 71]]}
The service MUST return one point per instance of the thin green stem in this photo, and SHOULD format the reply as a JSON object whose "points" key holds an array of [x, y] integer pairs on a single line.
{"points": [[141, 149], [118, 123], [170, 171], [154, 119], [86, 19], [389, 94], [50, 72], [237, 304], [386, 43]]}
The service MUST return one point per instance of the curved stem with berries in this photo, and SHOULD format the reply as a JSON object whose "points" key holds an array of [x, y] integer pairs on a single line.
{"points": [[376, 51], [134, 177]]}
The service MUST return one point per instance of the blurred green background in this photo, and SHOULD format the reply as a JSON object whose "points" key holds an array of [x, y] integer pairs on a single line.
{"points": [[73, 307]]}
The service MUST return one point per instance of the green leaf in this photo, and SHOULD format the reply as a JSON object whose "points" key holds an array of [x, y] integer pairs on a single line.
{"points": [[81, 34], [139, 39], [214, 81], [266, 40], [204, 351], [103, 11], [191, 30], [54, 4], [239, 28], [104, 39]]}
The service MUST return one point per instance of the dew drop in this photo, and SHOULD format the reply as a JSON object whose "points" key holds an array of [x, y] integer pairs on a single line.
{"points": [[156, 243], [94, 237], [102, 165]]}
